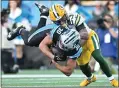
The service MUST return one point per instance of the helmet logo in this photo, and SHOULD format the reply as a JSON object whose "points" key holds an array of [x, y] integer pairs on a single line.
{"points": [[61, 7], [69, 40]]}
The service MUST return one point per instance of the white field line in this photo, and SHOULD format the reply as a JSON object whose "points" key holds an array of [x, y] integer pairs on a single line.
{"points": [[54, 82], [45, 82], [49, 76], [51, 79], [59, 86], [63, 86]]}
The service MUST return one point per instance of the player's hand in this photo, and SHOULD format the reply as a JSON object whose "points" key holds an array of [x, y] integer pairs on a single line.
{"points": [[57, 58], [53, 61]]}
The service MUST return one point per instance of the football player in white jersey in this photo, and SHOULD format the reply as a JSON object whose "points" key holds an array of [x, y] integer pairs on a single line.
{"points": [[90, 44]]}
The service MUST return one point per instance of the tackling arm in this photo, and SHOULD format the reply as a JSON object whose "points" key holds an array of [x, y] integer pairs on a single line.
{"points": [[44, 47], [83, 33], [68, 69], [84, 36]]}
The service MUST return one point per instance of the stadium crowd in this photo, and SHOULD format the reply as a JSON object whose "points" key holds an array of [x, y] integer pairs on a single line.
{"points": [[101, 16]]}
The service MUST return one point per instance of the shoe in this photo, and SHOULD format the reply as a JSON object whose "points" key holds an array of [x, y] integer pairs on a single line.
{"points": [[15, 68], [114, 83], [11, 35], [87, 81], [10, 70], [43, 10]]}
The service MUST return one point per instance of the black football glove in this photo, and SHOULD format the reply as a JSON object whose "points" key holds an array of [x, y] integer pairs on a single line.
{"points": [[59, 58]]}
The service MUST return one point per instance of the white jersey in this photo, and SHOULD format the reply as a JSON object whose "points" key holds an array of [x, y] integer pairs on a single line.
{"points": [[76, 20]]}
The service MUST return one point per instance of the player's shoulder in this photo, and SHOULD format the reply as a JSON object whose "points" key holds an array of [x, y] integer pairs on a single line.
{"points": [[55, 27], [74, 15], [75, 19]]}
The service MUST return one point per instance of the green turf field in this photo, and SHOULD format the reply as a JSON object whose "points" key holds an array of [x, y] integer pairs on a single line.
{"points": [[50, 79]]}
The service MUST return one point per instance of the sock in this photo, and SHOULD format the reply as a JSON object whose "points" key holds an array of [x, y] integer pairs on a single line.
{"points": [[111, 78], [42, 22], [90, 77], [20, 62], [21, 31], [45, 14], [86, 70], [96, 67]]}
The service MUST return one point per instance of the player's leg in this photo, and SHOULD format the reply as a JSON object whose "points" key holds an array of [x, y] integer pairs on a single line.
{"points": [[96, 53], [34, 39], [104, 66], [83, 62], [37, 38], [25, 34], [43, 16], [87, 71], [90, 77]]}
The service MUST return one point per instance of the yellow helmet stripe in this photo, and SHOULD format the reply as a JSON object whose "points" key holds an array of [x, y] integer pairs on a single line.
{"points": [[54, 16], [54, 11]]}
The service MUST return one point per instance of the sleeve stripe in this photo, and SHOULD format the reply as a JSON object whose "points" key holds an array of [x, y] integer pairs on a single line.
{"points": [[77, 21], [47, 27], [96, 37]]}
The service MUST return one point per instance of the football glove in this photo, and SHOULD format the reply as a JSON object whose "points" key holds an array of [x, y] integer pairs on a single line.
{"points": [[59, 58]]}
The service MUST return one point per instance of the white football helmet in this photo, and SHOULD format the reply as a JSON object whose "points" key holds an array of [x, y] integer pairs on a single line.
{"points": [[69, 39]]}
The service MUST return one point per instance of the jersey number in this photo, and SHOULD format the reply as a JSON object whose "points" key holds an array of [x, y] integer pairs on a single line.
{"points": [[71, 19], [76, 46], [59, 31]]}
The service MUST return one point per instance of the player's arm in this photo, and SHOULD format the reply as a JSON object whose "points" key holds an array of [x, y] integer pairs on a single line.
{"points": [[68, 69], [83, 35], [44, 46], [81, 27]]}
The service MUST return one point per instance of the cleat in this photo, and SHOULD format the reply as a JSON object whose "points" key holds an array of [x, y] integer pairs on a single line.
{"points": [[11, 35], [15, 68], [114, 83], [87, 81], [43, 9]]}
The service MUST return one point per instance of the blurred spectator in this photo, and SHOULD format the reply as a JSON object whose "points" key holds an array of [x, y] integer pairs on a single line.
{"points": [[18, 16], [20, 13], [97, 12], [71, 6], [92, 2], [110, 9], [26, 15], [81, 10], [8, 63], [108, 37]]}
